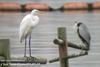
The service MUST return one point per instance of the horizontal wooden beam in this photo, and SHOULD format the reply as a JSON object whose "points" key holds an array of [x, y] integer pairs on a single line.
{"points": [[21, 61], [77, 46], [25, 60], [69, 57], [60, 42]]}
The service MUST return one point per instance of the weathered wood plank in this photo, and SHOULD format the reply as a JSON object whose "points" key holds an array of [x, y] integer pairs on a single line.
{"points": [[62, 47]]}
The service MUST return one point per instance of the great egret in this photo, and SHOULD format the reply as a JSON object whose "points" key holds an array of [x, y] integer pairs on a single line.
{"points": [[83, 33], [26, 26]]}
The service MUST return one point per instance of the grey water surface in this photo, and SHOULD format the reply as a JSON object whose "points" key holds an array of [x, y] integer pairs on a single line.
{"points": [[46, 31]]}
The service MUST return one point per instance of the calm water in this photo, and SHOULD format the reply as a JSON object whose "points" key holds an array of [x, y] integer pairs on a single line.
{"points": [[46, 31]]}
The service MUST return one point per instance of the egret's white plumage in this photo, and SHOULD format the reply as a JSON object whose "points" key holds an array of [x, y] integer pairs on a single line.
{"points": [[27, 24], [83, 33]]}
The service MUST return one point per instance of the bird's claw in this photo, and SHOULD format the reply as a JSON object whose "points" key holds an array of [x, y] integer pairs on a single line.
{"points": [[34, 59], [26, 58], [31, 59]]}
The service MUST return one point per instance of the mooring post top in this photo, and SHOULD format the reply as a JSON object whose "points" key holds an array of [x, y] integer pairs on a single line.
{"points": [[61, 36]]}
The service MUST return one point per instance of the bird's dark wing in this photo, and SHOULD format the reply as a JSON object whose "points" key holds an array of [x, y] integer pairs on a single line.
{"points": [[84, 33]]}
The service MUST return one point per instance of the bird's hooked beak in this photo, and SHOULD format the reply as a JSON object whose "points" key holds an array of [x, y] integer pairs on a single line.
{"points": [[76, 22], [75, 26], [38, 12]]}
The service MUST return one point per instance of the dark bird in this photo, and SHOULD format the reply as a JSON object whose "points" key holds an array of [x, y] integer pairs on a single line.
{"points": [[83, 33]]}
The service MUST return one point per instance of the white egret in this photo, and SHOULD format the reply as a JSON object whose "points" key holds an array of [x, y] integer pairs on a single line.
{"points": [[26, 26], [83, 33]]}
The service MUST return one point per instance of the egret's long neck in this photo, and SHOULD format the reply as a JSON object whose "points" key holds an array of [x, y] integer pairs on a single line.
{"points": [[35, 18], [33, 13]]}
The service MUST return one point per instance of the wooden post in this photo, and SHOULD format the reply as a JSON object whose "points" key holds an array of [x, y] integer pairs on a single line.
{"points": [[4, 51], [63, 47]]}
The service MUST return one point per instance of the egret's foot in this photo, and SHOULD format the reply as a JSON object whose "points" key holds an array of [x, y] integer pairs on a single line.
{"points": [[26, 58], [31, 59], [36, 60]]}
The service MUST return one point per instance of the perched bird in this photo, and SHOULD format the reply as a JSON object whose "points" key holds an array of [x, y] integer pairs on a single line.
{"points": [[26, 26], [83, 33]]}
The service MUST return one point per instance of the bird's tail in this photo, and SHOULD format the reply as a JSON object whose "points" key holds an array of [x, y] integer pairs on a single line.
{"points": [[87, 45]]}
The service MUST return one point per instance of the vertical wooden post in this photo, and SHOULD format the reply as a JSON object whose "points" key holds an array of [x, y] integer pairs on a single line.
{"points": [[4, 51], [63, 47]]}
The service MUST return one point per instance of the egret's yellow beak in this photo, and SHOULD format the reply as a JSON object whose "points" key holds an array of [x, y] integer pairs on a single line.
{"points": [[41, 13]]}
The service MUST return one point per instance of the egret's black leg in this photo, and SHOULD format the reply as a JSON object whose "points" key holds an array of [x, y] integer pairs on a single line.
{"points": [[25, 47], [30, 45]]}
